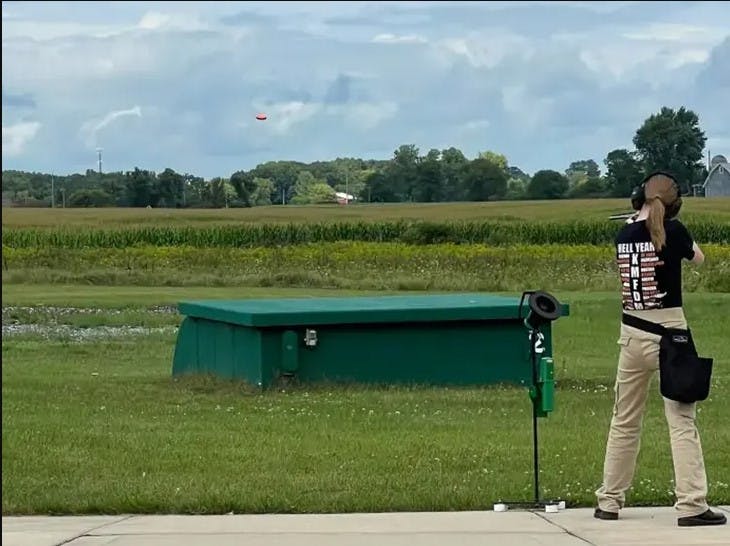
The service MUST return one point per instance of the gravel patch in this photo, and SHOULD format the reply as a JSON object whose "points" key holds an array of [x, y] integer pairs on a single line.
{"points": [[71, 333], [65, 311], [51, 329]]}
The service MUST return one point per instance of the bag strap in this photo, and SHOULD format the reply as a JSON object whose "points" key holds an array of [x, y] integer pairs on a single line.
{"points": [[645, 325]]}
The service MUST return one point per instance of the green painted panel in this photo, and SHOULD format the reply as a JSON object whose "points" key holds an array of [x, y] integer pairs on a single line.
{"points": [[225, 350], [185, 358], [445, 353], [207, 346], [355, 310], [246, 355], [289, 352]]}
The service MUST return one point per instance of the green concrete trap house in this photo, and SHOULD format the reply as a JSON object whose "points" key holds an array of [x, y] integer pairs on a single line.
{"points": [[464, 339]]}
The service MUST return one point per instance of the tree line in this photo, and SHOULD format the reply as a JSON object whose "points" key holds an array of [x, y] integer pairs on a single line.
{"points": [[670, 140]]}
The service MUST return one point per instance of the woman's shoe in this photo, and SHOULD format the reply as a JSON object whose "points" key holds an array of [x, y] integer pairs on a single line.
{"points": [[706, 518], [602, 514]]}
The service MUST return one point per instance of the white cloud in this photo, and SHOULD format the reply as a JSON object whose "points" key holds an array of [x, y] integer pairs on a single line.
{"points": [[476, 125], [540, 84], [284, 116], [529, 111], [617, 59], [155, 20], [91, 128], [369, 115], [15, 137], [688, 56], [648, 61], [598, 7], [388, 38], [676, 32], [487, 49], [51, 30], [646, 52], [14, 27]]}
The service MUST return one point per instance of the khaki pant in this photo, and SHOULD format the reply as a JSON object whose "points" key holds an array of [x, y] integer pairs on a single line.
{"points": [[638, 360]]}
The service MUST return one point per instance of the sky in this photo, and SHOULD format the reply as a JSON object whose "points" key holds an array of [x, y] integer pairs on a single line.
{"points": [[178, 84]]}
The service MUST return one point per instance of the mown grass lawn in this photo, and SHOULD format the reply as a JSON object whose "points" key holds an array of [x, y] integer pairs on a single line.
{"points": [[101, 427]]}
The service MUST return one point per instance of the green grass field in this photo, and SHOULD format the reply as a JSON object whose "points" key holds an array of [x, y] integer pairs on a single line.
{"points": [[93, 422], [101, 427], [509, 211]]}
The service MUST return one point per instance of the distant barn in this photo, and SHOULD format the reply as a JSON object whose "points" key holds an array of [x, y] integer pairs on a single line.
{"points": [[717, 183]]}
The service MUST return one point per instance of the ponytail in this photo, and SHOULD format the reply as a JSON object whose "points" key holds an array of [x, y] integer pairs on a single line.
{"points": [[655, 222]]}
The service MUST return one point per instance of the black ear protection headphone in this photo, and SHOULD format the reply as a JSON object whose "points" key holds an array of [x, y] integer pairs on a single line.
{"points": [[638, 196]]}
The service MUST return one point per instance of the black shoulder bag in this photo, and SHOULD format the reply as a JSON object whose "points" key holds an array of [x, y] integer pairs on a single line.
{"points": [[683, 375]]}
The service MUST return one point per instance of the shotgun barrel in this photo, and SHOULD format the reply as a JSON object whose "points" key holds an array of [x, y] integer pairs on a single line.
{"points": [[622, 216]]}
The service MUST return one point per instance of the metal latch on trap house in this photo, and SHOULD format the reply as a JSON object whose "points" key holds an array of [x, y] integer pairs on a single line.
{"points": [[310, 337]]}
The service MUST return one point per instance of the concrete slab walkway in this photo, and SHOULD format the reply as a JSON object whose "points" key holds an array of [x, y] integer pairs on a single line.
{"points": [[572, 527]]}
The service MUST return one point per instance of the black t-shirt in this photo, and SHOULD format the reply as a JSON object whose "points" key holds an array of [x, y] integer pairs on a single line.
{"points": [[650, 279]]}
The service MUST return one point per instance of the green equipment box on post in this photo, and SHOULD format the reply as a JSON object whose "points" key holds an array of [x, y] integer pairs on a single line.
{"points": [[465, 339]]}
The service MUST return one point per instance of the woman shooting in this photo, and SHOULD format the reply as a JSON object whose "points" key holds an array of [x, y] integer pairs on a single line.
{"points": [[649, 250]]}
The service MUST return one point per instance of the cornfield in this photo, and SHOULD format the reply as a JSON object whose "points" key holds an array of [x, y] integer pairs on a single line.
{"points": [[493, 233]]}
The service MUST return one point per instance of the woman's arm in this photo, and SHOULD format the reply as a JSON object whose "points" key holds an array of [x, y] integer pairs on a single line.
{"points": [[699, 256]]}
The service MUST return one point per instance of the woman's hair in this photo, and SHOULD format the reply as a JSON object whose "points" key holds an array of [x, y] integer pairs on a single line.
{"points": [[660, 192]]}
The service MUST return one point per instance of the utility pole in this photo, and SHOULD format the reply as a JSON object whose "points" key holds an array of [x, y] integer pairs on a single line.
{"points": [[99, 180], [53, 194]]}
